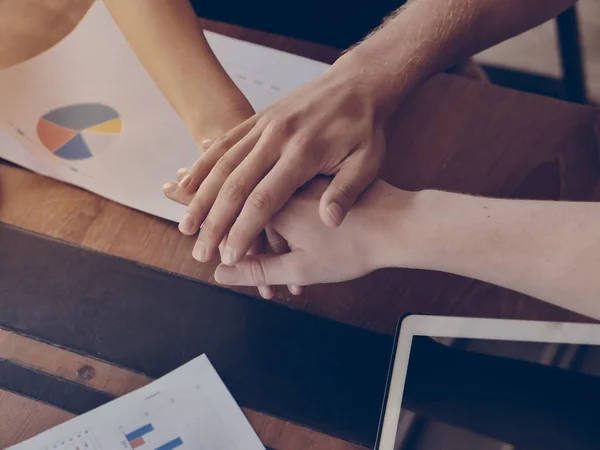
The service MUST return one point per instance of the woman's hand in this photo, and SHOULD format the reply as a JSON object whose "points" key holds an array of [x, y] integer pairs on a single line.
{"points": [[378, 225]]}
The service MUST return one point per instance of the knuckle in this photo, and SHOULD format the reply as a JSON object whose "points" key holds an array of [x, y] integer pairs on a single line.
{"points": [[223, 166], [303, 141], [312, 156], [232, 190], [345, 191], [261, 201], [277, 126], [257, 272], [220, 142]]}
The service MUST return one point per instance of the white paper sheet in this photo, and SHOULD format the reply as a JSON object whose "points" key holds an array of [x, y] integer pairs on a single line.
{"points": [[94, 66], [189, 408]]}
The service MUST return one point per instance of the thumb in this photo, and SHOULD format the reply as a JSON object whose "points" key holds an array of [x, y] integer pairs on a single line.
{"points": [[263, 270], [354, 177]]}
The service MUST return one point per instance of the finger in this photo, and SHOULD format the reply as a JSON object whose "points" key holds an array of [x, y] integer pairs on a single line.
{"points": [[265, 200], [204, 165], [353, 178], [206, 194], [205, 145], [181, 173], [279, 245], [295, 290], [266, 292], [172, 192], [232, 194], [276, 242], [258, 248], [222, 245], [262, 270]]}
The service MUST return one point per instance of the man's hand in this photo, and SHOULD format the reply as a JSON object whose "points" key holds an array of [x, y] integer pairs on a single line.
{"points": [[329, 126], [321, 254], [334, 125]]}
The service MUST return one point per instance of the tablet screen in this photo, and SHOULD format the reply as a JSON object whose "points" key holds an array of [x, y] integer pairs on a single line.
{"points": [[498, 394]]}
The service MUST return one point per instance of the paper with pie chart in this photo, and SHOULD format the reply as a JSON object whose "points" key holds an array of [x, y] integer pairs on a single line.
{"points": [[86, 112], [79, 131]]}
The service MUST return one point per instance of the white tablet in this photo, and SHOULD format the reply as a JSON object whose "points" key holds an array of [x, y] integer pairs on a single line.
{"points": [[487, 384]]}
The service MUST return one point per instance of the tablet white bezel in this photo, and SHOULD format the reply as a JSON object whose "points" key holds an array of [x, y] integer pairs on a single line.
{"points": [[462, 327]]}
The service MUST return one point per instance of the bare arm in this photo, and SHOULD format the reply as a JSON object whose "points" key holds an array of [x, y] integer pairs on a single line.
{"points": [[169, 40], [549, 250], [427, 36]]}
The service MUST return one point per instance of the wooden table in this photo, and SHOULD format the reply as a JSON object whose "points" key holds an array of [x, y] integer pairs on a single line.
{"points": [[453, 134]]}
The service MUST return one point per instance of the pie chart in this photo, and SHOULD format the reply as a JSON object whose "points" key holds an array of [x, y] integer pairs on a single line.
{"points": [[80, 131]]}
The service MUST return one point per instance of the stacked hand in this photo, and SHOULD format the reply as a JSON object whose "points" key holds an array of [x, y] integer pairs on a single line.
{"points": [[329, 126], [320, 254], [308, 252]]}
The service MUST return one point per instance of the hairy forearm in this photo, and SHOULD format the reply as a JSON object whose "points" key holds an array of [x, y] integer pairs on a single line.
{"points": [[169, 41], [549, 250], [427, 36]]}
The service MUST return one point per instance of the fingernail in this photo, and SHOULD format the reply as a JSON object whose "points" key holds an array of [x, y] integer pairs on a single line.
{"points": [[226, 274], [186, 224], [185, 181], [336, 212], [295, 290], [169, 187], [199, 252], [183, 171], [266, 292], [207, 142], [228, 257]]}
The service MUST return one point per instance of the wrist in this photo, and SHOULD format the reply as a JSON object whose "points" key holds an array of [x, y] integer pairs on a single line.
{"points": [[440, 231], [418, 231], [221, 120], [369, 81], [363, 75], [386, 220], [395, 59]]}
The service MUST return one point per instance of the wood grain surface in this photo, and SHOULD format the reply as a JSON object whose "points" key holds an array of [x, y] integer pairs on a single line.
{"points": [[33, 417], [22, 418], [453, 134]]}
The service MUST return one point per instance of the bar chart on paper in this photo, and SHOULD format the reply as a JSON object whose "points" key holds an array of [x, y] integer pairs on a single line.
{"points": [[161, 426], [187, 409], [145, 437], [151, 437]]}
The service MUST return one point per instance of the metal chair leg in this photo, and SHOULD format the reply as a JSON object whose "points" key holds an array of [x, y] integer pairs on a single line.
{"points": [[571, 56]]}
